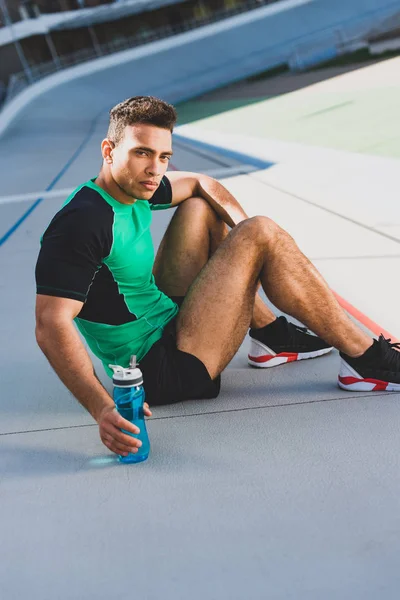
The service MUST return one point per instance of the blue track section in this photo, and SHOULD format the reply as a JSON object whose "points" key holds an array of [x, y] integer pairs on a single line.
{"points": [[55, 180], [245, 159]]}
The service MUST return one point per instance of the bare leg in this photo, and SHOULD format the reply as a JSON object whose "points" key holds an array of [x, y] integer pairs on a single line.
{"points": [[216, 313], [192, 237]]}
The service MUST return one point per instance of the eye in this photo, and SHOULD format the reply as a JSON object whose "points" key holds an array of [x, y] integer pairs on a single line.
{"points": [[141, 152], [166, 158]]}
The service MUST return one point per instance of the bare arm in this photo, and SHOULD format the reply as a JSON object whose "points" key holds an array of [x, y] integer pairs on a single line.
{"points": [[60, 342], [185, 185]]}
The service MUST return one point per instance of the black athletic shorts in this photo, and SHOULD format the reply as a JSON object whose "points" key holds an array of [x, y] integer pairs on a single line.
{"points": [[170, 375]]}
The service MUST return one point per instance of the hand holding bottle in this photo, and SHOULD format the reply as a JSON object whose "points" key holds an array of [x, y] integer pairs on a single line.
{"points": [[110, 425]]}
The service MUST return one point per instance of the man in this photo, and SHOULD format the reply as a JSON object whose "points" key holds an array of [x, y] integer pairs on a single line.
{"points": [[96, 266]]}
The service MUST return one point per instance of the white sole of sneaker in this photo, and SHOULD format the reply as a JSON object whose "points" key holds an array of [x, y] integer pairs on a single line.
{"points": [[352, 381], [262, 357]]}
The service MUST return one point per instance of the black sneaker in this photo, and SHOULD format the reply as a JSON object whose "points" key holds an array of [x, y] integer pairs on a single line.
{"points": [[378, 369], [282, 342]]}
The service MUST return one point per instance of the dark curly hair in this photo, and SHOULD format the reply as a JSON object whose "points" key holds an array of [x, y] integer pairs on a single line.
{"points": [[140, 109]]}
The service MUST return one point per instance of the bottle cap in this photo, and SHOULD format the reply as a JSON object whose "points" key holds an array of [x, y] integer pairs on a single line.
{"points": [[127, 376]]}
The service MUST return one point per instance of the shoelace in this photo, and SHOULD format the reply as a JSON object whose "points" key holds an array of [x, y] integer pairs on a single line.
{"points": [[390, 353], [292, 330], [303, 329]]}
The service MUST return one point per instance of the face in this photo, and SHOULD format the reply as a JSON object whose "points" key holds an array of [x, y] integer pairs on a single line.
{"points": [[140, 159]]}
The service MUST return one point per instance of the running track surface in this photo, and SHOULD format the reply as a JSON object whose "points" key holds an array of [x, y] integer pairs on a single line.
{"points": [[284, 487]]}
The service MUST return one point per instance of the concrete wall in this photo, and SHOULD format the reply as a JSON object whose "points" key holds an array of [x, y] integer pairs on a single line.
{"points": [[296, 32]]}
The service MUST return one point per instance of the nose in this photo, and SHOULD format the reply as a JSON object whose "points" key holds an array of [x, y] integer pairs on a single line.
{"points": [[153, 168]]}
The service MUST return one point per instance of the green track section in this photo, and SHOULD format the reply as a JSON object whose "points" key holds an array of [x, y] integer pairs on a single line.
{"points": [[357, 120], [194, 110]]}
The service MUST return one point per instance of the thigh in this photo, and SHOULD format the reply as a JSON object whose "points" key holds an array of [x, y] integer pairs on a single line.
{"points": [[216, 312], [191, 237], [170, 375]]}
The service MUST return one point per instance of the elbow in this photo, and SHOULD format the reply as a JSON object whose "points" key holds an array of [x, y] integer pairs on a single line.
{"points": [[204, 182], [42, 327], [41, 334], [54, 317], [46, 329]]}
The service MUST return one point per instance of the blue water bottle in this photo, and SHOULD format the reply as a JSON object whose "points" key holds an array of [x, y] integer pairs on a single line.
{"points": [[129, 398]]}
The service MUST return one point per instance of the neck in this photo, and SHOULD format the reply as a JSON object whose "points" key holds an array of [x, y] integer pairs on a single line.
{"points": [[108, 184]]}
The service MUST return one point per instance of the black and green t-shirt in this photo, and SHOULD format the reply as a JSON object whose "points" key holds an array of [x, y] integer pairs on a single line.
{"points": [[100, 252]]}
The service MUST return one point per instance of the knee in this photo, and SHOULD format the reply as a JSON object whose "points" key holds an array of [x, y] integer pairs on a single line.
{"points": [[198, 208], [195, 204], [262, 229]]}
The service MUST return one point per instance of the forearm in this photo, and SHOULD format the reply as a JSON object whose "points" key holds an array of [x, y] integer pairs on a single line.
{"points": [[225, 205], [68, 357]]}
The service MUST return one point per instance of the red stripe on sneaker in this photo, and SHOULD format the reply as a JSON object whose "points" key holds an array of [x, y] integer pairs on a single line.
{"points": [[291, 357], [380, 386]]}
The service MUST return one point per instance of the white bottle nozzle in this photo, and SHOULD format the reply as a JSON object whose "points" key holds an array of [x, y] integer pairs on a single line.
{"points": [[117, 369], [127, 376]]}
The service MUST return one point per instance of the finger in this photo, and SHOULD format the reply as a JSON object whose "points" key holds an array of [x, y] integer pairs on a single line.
{"points": [[122, 449], [109, 443], [122, 423], [110, 430], [121, 438], [126, 440], [118, 448]]}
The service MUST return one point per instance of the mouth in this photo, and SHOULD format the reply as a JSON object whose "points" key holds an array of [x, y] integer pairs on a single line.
{"points": [[149, 185]]}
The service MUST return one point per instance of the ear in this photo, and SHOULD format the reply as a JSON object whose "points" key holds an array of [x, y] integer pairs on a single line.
{"points": [[107, 147]]}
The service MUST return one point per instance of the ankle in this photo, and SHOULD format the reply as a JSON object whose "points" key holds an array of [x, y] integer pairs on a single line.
{"points": [[260, 323], [357, 350]]}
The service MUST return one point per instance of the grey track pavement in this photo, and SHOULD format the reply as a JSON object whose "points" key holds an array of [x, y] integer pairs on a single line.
{"points": [[285, 487]]}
